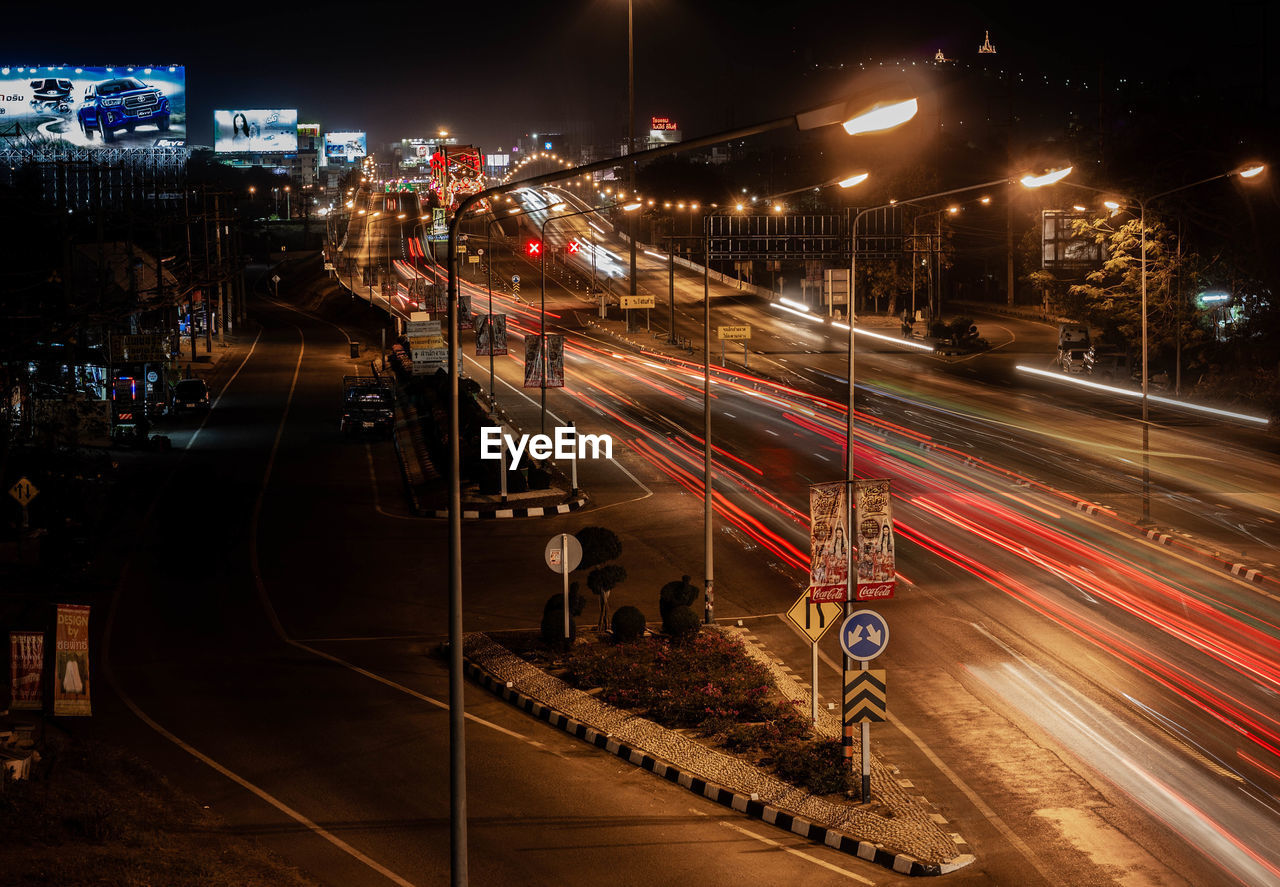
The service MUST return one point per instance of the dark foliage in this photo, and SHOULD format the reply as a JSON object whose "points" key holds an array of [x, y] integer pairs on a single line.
{"points": [[628, 624]]}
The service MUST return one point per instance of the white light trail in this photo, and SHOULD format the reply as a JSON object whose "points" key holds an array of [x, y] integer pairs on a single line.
{"points": [[1129, 392]]}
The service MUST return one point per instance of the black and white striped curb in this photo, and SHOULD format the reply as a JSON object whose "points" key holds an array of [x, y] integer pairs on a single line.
{"points": [[900, 862], [499, 513]]}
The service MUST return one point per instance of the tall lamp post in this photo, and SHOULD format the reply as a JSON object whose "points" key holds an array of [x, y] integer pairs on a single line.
{"points": [[1246, 172], [862, 113], [1027, 181]]}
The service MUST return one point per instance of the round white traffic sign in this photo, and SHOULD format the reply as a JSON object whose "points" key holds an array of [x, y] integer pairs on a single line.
{"points": [[515, 278], [864, 635], [564, 553]]}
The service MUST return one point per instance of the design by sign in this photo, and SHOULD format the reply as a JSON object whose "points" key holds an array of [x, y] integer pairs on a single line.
{"points": [[874, 523], [94, 107], [828, 542], [265, 131], [71, 661]]}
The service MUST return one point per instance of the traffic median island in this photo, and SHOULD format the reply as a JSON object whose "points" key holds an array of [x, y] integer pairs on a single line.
{"points": [[897, 830]]}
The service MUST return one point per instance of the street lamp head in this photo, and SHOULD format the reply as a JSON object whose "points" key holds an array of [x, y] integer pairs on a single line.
{"points": [[1252, 170], [1048, 178], [632, 207], [853, 180], [881, 116]]}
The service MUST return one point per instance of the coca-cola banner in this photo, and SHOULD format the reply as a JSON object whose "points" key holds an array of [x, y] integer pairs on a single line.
{"points": [[873, 521], [26, 665], [71, 661], [829, 542]]}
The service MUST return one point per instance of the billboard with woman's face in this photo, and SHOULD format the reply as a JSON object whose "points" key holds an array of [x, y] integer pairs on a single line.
{"points": [[274, 130]]}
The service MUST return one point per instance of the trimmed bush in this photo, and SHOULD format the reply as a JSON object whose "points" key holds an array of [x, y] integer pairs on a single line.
{"points": [[676, 594], [682, 624], [819, 767], [628, 624]]}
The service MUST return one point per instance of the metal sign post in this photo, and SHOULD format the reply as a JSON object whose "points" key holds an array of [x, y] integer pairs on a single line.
{"points": [[863, 636], [563, 554], [814, 619]]}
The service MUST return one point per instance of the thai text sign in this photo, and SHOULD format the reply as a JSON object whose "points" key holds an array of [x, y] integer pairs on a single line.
{"points": [[733, 332], [26, 666]]}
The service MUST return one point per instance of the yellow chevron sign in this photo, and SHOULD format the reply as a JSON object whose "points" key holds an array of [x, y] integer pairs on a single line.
{"points": [[864, 696]]}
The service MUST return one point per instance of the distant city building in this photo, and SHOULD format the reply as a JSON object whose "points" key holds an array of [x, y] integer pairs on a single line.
{"points": [[987, 46]]}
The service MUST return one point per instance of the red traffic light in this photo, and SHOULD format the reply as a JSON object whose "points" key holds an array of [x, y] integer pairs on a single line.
{"points": [[533, 248], [572, 247]]}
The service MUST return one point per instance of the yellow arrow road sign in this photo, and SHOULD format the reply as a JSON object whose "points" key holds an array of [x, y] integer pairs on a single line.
{"points": [[24, 491], [814, 619]]}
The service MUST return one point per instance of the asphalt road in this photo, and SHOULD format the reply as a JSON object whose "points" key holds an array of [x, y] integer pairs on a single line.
{"points": [[1083, 707]]}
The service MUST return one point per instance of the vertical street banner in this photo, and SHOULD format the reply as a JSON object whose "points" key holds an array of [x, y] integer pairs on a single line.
{"points": [[466, 320], [555, 361], [71, 661], [491, 335], [828, 542], [26, 667], [534, 361], [874, 521]]}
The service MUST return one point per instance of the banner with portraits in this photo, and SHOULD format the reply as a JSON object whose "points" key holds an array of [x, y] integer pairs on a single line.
{"points": [[491, 335], [874, 522], [829, 542], [535, 361]]}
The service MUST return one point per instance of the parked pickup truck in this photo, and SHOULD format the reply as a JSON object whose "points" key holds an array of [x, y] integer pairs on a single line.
{"points": [[368, 404]]}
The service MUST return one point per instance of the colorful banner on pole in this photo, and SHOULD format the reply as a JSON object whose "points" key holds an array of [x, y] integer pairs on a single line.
{"points": [[829, 542], [26, 667], [534, 361], [491, 335], [71, 661], [874, 520]]}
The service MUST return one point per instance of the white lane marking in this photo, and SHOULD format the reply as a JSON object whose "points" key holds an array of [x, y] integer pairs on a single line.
{"points": [[284, 808], [223, 391], [800, 853]]}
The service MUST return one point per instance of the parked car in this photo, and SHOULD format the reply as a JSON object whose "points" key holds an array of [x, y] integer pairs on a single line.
{"points": [[122, 103], [1109, 366], [190, 394], [1073, 359]]}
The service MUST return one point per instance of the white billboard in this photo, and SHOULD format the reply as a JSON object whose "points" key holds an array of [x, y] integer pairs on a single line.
{"points": [[348, 146], [274, 130]]}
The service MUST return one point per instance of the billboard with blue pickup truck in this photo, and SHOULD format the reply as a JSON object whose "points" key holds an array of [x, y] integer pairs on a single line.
{"points": [[129, 106]]}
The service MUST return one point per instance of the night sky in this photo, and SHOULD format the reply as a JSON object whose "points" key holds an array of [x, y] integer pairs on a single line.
{"points": [[489, 72]]}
